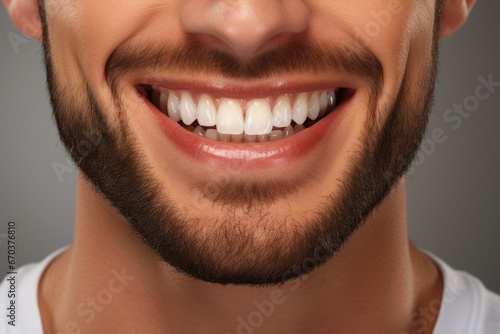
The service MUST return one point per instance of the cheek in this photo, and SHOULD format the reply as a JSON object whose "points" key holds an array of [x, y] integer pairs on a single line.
{"points": [[86, 32], [388, 28]]}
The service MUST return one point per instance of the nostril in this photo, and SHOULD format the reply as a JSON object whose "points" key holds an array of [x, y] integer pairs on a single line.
{"points": [[245, 26]]}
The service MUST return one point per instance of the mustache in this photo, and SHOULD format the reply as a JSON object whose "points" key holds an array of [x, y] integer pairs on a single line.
{"points": [[193, 56]]}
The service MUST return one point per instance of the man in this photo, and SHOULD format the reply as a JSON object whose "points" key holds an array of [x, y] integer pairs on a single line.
{"points": [[241, 169]]}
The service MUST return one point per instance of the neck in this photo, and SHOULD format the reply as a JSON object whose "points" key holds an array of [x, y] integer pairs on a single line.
{"points": [[112, 282]]}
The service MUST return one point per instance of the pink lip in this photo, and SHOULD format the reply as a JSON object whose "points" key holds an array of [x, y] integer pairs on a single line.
{"points": [[279, 153], [237, 91]]}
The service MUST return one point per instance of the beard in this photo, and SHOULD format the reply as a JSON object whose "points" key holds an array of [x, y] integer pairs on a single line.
{"points": [[109, 156]]}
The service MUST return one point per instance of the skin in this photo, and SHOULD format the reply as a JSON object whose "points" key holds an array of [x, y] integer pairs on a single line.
{"points": [[379, 282]]}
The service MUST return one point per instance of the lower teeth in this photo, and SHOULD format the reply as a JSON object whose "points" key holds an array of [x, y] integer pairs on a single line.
{"points": [[276, 134]]}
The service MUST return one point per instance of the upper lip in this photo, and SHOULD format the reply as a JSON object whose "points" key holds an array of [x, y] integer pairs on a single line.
{"points": [[237, 89]]}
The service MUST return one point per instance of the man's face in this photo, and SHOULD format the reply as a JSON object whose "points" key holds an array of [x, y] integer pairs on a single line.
{"points": [[247, 206]]}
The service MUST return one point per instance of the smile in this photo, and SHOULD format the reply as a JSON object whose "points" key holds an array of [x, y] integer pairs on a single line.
{"points": [[234, 131], [243, 120]]}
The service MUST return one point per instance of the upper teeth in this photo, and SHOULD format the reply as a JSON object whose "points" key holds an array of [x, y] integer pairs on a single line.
{"points": [[251, 117]]}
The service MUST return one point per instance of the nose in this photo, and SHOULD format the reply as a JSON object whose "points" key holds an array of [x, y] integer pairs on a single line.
{"points": [[245, 25]]}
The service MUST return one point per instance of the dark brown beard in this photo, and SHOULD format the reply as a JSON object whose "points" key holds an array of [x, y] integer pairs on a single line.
{"points": [[108, 155]]}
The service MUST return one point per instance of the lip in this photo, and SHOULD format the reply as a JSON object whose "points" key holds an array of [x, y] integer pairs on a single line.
{"points": [[229, 89], [247, 156]]}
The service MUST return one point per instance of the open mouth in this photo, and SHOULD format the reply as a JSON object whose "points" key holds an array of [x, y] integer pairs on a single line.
{"points": [[244, 120]]}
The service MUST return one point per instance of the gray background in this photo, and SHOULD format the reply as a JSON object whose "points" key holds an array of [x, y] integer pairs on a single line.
{"points": [[453, 194]]}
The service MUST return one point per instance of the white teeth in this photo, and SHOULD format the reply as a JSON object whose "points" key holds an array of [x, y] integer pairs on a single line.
{"points": [[282, 112], [199, 131], [288, 131], [212, 134], [243, 125], [300, 108], [323, 103], [187, 108], [172, 105], [230, 117], [207, 113], [258, 118], [275, 135], [313, 106]]}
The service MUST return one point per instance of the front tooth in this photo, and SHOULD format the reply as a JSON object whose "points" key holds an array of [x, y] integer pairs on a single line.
{"points": [[187, 108], [282, 112], [313, 106], [171, 104], [323, 103], [258, 118], [229, 118], [206, 111], [300, 108]]}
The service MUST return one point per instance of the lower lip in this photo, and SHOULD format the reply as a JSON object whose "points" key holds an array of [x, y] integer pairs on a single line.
{"points": [[238, 156]]}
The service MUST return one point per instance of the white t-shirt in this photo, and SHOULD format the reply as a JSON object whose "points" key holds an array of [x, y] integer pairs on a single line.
{"points": [[467, 307]]}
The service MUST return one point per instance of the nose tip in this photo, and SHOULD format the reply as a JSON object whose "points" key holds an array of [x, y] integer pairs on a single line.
{"points": [[245, 26]]}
